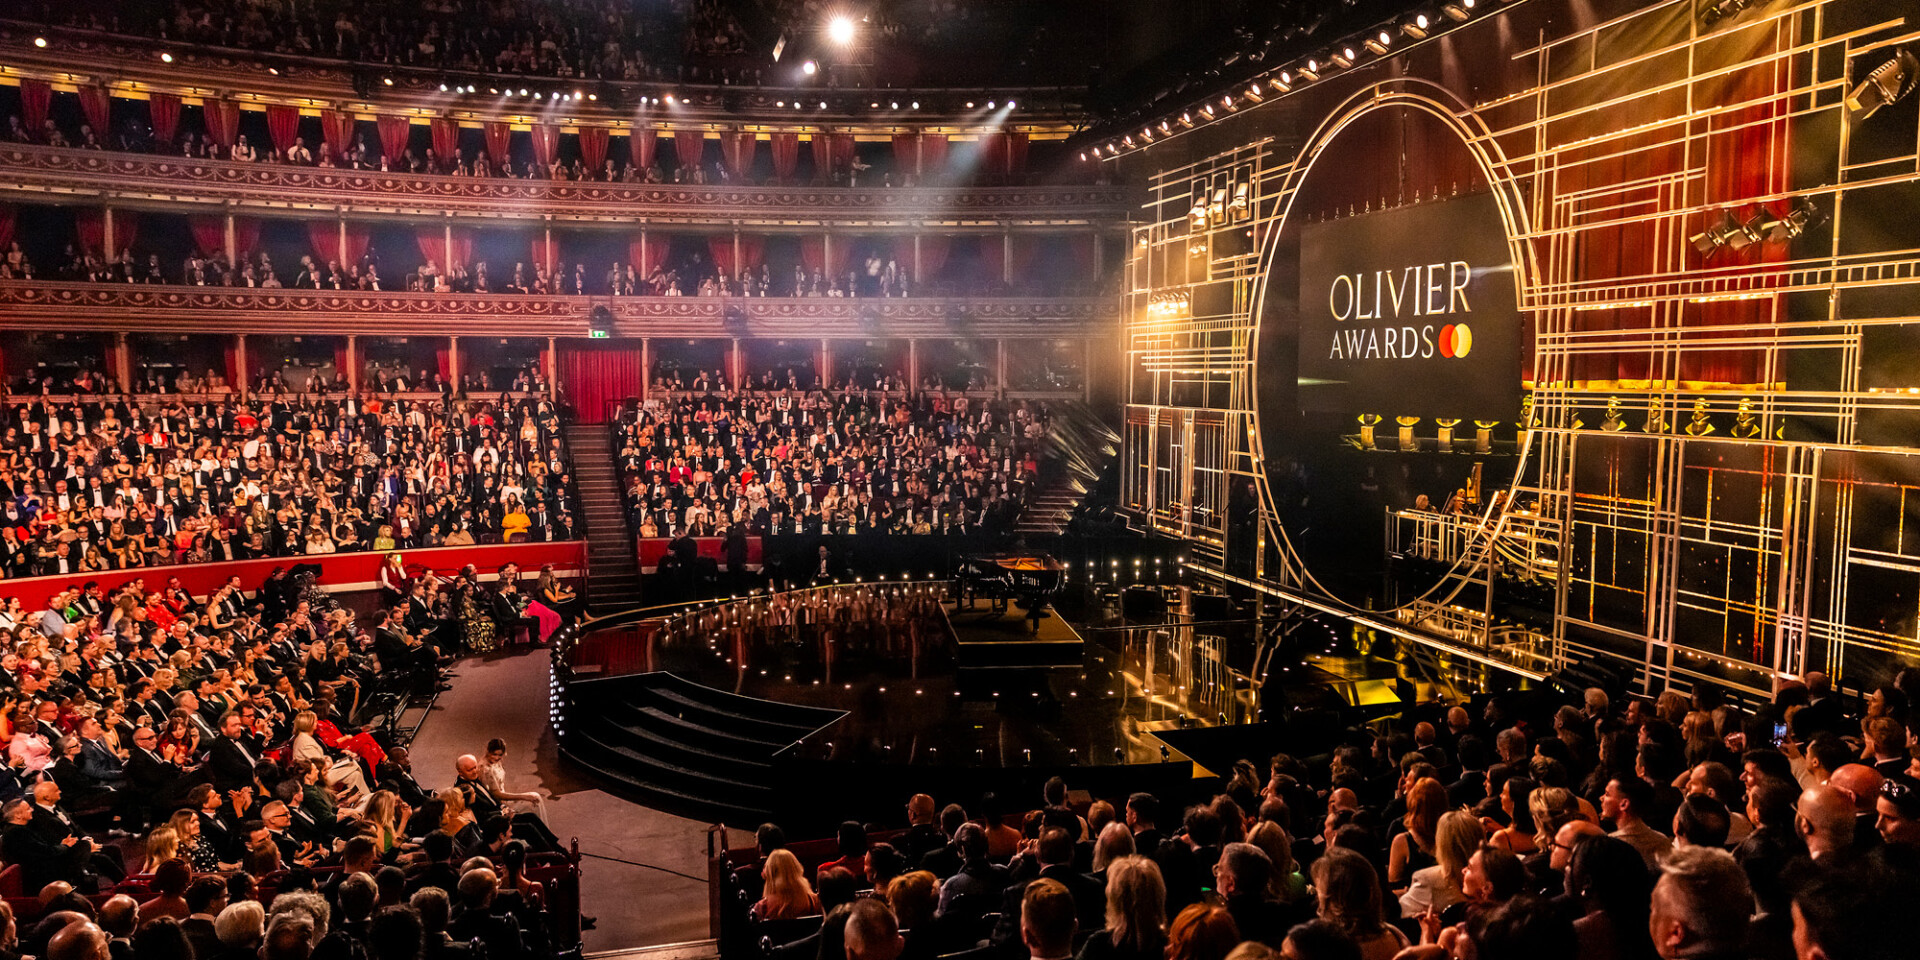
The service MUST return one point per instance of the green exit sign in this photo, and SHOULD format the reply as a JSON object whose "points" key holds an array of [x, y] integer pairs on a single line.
{"points": [[599, 334]]}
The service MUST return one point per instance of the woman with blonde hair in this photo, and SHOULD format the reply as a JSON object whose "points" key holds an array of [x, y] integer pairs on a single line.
{"points": [[456, 821], [339, 772], [198, 853], [1349, 898], [1413, 849], [1552, 808], [1284, 882], [163, 844], [1438, 887], [1202, 931], [785, 893], [1115, 841], [1136, 912]]}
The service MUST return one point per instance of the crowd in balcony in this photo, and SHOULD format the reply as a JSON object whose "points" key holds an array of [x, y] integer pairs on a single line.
{"points": [[107, 484], [709, 460], [1535, 827], [211, 777]]}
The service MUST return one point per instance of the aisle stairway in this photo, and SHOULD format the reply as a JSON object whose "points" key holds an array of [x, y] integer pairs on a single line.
{"points": [[1078, 447], [613, 571], [684, 748]]}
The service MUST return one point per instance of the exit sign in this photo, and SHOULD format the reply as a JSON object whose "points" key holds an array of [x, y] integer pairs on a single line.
{"points": [[599, 334]]}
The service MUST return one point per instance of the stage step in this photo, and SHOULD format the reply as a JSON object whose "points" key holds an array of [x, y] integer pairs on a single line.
{"points": [[632, 783], [721, 764], [613, 572]]}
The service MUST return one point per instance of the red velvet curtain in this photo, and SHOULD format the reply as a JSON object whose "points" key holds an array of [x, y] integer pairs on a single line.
{"points": [[840, 253], [1016, 153], [813, 253], [433, 246], [90, 223], [786, 155], [6, 225], [394, 134], [906, 153], [689, 147], [546, 144], [163, 113], [246, 236], [97, 105], [640, 147], [499, 142], [36, 96], [326, 242], [446, 143], [209, 233], [597, 375], [822, 156], [736, 149], [545, 253], [283, 124], [752, 248], [720, 247], [126, 226], [843, 149], [593, 148], [223, 122], [933, 254], [336, 129], [933, 153]]}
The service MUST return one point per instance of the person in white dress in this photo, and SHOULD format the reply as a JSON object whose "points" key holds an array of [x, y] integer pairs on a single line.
{"points": [[340, 770], [493, 773]]}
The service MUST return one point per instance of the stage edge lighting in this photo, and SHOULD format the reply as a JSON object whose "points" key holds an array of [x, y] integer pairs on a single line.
{"points": [[1886, 84]]}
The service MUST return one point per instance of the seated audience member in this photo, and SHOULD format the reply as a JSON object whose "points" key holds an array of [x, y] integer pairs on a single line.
{"points": [[785, 892]]}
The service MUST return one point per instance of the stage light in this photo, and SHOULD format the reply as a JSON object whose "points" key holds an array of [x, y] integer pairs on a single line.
{"points": [[779, 103], [1886, 84], [895, 104], [669, 99], [823, 104], [168, 58], [1343, 58], [40, 42], [1723, 10], [1459, 11], [992, 105], [1208, 111], [1311, 71], [809, 68], [1710, 240], [443, 88], [1378, 45], [914, 105], [1166, 127], [386, 80], [1186, 119], [796, 104], [874, 105], [1748, 233], [969, 104], [1417, 27], [523, 91], [1799, 220], [840, 30], [1011, 105]]}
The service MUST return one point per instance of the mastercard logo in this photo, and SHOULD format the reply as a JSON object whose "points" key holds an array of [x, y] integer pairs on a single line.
{"points": [[1456, 340]]}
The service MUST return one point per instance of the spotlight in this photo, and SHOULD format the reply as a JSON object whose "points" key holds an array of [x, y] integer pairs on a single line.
{"points": [[796, 104], [1458, 11], [1011, 104], [1343, 58], [1186, 119], [40, 42], [823, 104], [168, 58], [1311, 71], [443, 88], [593, 96], [1749, 232], [1416, 28], [992, 105], [840, 30], [385, 80], [895, 104], [1710, 240], [914, 105], [809, 68], [1723, 10], [1378, 45], [523, 91], [1887, 83], [669, 99], [1208, 110], [779, 103], [1799, 220], [874, 105], [493, 90], [1166, 127]]}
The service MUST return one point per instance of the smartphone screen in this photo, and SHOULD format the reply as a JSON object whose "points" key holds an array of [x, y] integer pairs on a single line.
{"points": [[1779, 733]]}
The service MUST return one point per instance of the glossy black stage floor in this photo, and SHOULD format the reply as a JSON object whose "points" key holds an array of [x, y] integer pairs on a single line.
{"points": [[720, 714]]}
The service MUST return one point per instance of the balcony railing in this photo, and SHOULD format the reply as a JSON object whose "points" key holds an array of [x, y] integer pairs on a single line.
{"points": [[37, 305], [133, 178]]}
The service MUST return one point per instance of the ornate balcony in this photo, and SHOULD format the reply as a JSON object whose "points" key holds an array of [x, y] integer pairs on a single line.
{"points": [[88, 307]]}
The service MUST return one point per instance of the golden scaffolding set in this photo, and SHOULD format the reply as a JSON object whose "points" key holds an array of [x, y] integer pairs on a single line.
{"points": [[1691, 530]]}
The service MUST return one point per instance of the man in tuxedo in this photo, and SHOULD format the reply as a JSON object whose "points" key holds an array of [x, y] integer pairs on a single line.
{"points": [[396, 773], [231, 762], [1054, 854], [141, 703], [41, 861], [156, 780], [55, 825]]}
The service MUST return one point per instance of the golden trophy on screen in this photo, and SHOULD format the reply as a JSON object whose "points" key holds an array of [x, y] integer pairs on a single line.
{"points": [[1616, 420], [1699, 426], [1746, 425], [1367, 422], [1407, 440], [1446, 432], [1483, 435]]}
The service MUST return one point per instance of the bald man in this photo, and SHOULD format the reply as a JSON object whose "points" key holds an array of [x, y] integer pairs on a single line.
{"points": [[1825, 822], [923, 829], [1861, 784], [78, 941], [1568, 837], [119, 917]]}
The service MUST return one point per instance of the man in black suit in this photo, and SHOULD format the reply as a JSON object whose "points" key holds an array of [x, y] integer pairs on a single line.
{"points": [[1053, 853], [158, 781], [396, 773], [41, 861], [1240, 876], [54, 825], [477, 921], [231, 762]]}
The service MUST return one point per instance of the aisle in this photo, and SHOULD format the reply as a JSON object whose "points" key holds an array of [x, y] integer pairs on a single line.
{"points": [[505, 695]]}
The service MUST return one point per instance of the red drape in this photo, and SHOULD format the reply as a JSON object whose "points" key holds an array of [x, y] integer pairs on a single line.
{"points": [[283, 125], [35, 97], [1016, 162], [720, 247], [246, 236], [336, 129], [91, 225], [655, 254], [843, 149], [6, 225], [394, 134], [326, 242], [813, 254], [752, 249], [546, 144], [209, 233], [640, 147], [906, 153], [126, 226], [822, 156], [446, 143], [223, 122], [736, 149], [786, 155], [689, 146], [933, 254], [499, 142], [163, 112], [933, 154], [433, 245], [593, 148], [545, 253], [1026, 247], [598, 375], [840, 253], [96, 105]]}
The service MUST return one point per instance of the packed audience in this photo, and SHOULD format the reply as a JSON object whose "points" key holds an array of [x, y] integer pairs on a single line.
{"points": [[700, 464], [209, 781], [1679, 828], [110, 484]]}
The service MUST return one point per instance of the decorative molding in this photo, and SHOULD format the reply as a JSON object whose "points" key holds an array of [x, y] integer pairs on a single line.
{"points": [[145, 179], [89, 307]]}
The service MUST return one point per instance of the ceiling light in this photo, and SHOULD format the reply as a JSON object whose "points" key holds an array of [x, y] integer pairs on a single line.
{"points": [[1011, 104], [823, 104], [669, 99], [969, 104], [386, 80], [914, 105], [895, 104], [1311, 71], [493, 90], [168, 58], [874, 105], [1378, 45], [1343, 58], [1459, 11], [443, 88], [779, 103], [1417, 27], [992, 105], [40, 42], [809, 68], [593, 96], [840, 30]]}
